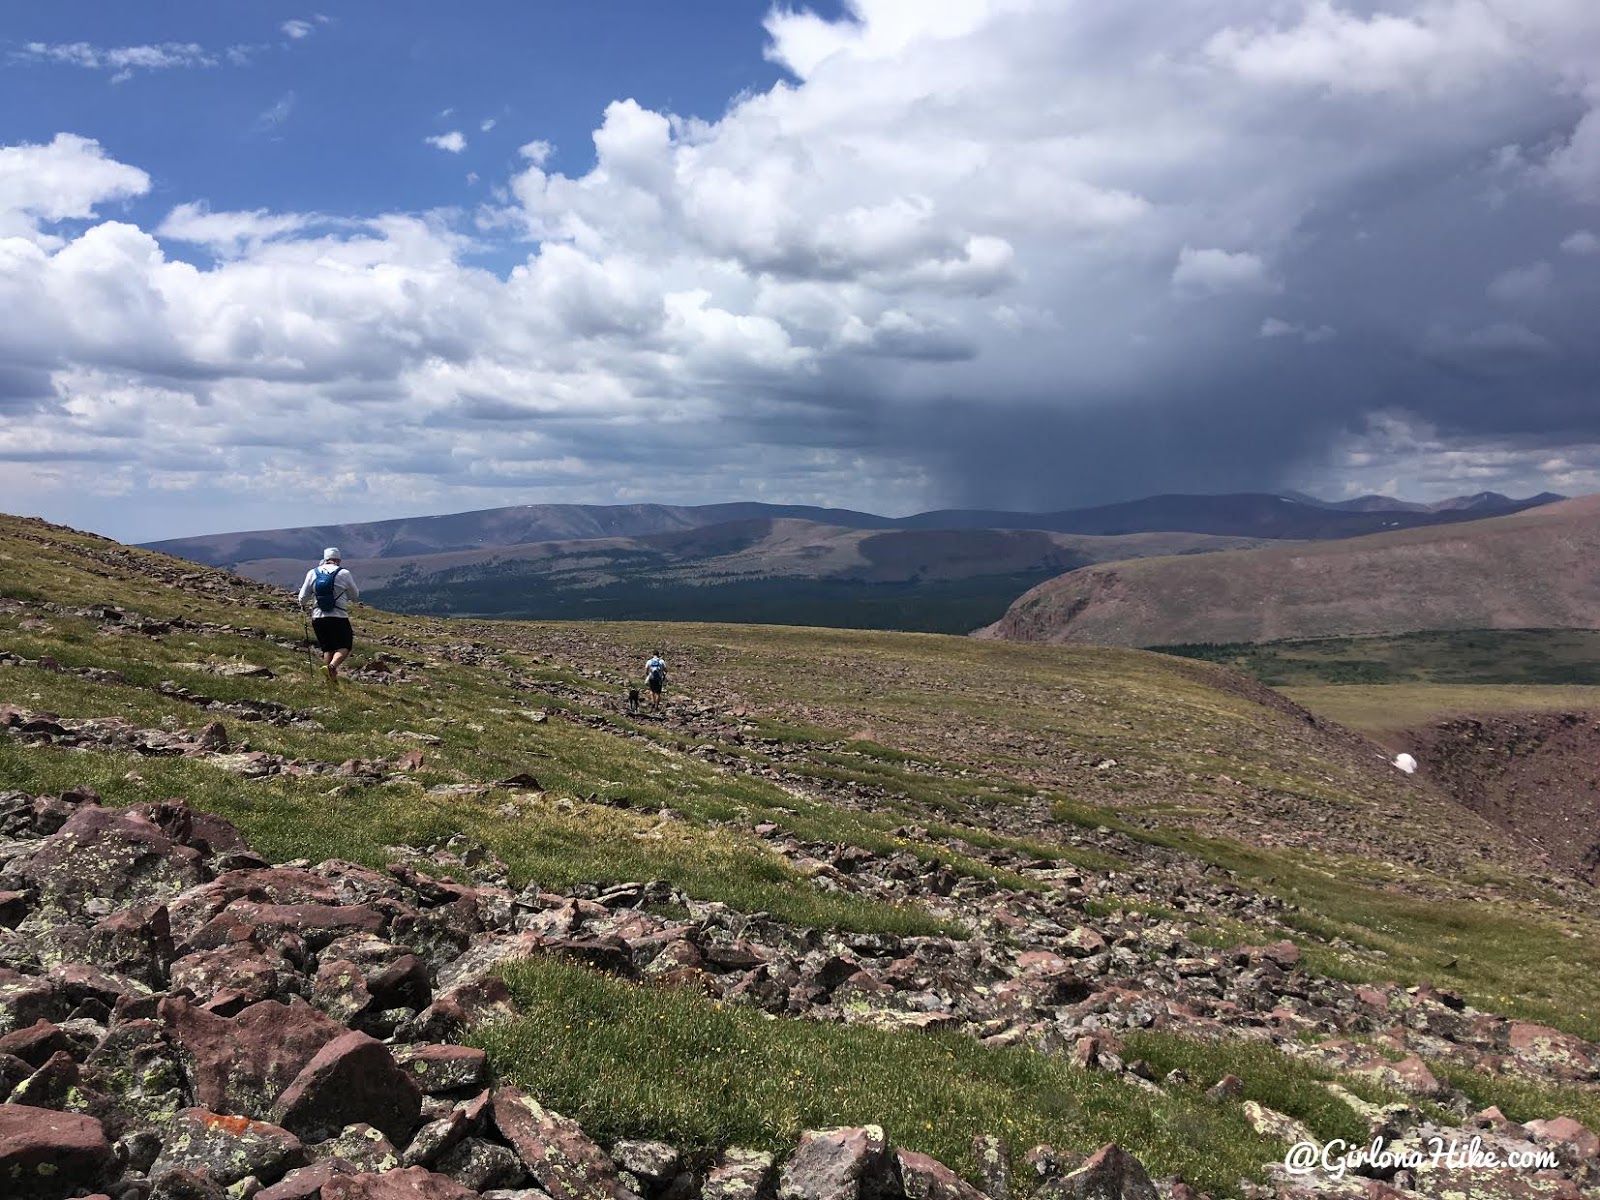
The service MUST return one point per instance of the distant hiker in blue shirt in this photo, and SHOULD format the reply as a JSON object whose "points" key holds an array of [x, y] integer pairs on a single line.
{"points": [[655, 678], [330, 587]]}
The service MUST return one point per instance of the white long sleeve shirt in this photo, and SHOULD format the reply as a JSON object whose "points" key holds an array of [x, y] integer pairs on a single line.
{"points": [[344, 587]]}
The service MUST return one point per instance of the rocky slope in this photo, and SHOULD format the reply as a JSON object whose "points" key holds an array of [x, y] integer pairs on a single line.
{"points": [[214, 1025], [1532, 570], [178, 1017]]}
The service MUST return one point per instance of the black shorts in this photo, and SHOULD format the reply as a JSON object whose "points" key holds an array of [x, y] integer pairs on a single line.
{"points": [[333, 633], [655, 684]]}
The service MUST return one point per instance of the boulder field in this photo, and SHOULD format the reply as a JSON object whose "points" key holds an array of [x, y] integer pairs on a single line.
{"points": [[181, 1020]]}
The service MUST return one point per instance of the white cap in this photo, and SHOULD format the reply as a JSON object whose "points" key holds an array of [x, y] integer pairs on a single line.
{"points": [[331, 552]]}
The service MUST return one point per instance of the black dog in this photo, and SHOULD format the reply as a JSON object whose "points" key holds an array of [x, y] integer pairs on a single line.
{"points": [[633, 701]]}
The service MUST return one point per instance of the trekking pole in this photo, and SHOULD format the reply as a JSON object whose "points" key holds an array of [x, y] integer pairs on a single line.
{"points": [[305, 625]]}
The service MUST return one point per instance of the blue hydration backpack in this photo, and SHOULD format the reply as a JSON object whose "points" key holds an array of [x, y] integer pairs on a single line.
{"points": [[327, 595]]}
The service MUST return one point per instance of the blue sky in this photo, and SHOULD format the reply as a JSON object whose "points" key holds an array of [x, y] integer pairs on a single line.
{"points": [[267, 265], [333, 120]]}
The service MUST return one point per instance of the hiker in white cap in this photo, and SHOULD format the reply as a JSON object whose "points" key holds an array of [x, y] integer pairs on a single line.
{"points": [[329, 586]]}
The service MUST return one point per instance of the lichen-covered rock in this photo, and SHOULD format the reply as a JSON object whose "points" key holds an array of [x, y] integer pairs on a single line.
{"points": [[556, 1152], [741, 1175], [119, 856], [45, 1155], [850, 1163], [409, 1183], [226, 1148], [478, 1165], [241, 1064], [137, 1068], [1269, 1122], [361, 1146], [439, 1068], [1110, 1173], [924, 1178], [654, 1162]]}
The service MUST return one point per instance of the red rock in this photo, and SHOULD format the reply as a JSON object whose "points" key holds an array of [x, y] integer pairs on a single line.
{"points": [[1574, 1134], [554, 1149], [835, 1164], [352, 1078], [925, 1178], [468, 1004], [408, 1183], [235, 975], [1111, 1173], [117, 855], [239, 1065], [305, 1183], [35, 1044], [136, 943], [318, 924], [1041, 960], [1570, 1057], [73, 1148]]}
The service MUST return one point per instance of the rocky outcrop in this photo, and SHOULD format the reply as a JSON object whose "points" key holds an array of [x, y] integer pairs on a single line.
{"points": [[240, 1030]]}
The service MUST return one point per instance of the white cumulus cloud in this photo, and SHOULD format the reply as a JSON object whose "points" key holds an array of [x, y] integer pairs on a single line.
{"points": [[455, 141]]}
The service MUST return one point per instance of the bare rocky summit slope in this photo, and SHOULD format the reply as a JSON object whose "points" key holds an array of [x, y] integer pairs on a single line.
{"points": [[180, 1018], [1537, 569]]}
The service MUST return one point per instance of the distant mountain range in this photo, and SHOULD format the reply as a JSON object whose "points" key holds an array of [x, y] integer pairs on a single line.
{"points": [[947, 571], [1533, 569], [1252, 515]]}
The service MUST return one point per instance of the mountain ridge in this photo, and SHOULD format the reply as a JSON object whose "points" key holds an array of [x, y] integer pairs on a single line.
{"points": [[1239, 515], [1536, 568]]}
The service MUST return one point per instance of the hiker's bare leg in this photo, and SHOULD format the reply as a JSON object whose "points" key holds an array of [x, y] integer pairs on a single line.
{"points": [[336, 660]]}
